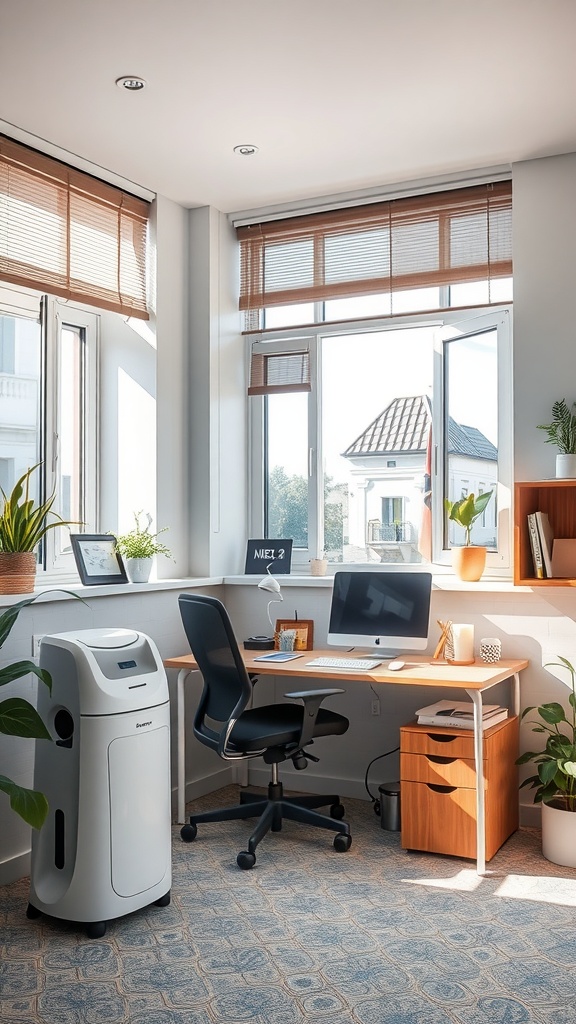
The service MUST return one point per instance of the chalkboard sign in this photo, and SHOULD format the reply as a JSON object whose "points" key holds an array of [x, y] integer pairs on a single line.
{"points": [[273, 554]]}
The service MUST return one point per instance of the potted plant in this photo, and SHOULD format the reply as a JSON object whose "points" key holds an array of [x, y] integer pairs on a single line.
{"points": [[555, 779], [23, 524], [562, 432], [468, 561], [138, 548]]}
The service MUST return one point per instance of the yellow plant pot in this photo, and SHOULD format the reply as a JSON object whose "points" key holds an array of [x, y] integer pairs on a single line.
{"points": [[469, 562], [17, 572]]}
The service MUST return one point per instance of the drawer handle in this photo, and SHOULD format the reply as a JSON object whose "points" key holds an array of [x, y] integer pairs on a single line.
{"points": [[439, 738], [436, 759], [441, 789]]}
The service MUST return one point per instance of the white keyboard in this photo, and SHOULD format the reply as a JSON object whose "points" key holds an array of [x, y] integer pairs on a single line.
{"points": [[345, 664]]}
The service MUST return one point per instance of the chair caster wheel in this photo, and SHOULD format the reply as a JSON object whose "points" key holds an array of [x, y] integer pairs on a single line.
{"points": [[337, 811], [245, 860], [377, 808], [96, 929], [32, 912], [342, 842], [164, 900], [189, 832]]}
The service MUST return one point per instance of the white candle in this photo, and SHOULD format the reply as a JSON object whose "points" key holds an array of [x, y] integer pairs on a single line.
{"points": [[463, 634]]}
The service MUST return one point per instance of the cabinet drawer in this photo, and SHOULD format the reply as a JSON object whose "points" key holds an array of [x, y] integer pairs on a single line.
{"points": [[438, 769], [439, 820], [442, 742]]}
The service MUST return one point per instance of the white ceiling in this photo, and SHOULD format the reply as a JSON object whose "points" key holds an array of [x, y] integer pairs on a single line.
{"points": [[338, 95]]}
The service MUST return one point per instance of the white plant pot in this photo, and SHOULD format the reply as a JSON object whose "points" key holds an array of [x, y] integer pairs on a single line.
{"points": [[138, 569], [566, 467], [559, 836]]}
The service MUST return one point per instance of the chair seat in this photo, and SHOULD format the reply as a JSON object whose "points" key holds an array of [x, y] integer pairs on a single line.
{"points": [[277, 724]]}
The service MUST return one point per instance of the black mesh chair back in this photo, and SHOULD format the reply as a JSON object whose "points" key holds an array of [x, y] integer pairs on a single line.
{"points": [[227, 685]]}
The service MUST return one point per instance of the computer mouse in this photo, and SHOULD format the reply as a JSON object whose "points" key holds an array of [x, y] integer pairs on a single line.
{"points": [[395, 666]]}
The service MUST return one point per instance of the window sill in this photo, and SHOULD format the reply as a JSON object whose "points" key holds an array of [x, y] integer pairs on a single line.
{"points": [[61, 591], [440, 581]]}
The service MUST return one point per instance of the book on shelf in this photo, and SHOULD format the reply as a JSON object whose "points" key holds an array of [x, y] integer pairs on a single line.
{"points": [[535, 546], [546, 535], [460, 714]]}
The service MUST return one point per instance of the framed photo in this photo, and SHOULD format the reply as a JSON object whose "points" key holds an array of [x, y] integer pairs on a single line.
{"points": [[97, 560], [261, 554], [304, 629]]}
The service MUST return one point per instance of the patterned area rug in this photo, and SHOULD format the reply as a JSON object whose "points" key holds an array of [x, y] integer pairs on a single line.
{"points": [[310, 935]]}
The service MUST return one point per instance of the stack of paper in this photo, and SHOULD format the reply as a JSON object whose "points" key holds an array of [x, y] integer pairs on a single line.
{"points": [[460, 715]]}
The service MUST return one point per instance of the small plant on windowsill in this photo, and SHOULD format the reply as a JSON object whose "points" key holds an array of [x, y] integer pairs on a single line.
{"points": [[139, 546], [468, 561]]}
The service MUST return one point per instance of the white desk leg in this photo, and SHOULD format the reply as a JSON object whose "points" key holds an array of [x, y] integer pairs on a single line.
{"points": [[476, 696], [516, 694], [181, 745]]}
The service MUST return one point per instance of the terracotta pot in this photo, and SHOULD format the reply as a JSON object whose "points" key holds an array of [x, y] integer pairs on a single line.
{"points": [[468, 563], [559, 835], [17, 572]]}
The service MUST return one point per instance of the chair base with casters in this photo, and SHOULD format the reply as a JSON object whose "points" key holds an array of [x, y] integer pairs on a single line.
{"points": [[271, 811], [226, 722]]}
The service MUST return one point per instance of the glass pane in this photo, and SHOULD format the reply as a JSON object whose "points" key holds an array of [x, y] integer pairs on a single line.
{"points": [[472, 429], [288, 316], [71, 433], [375, 425], [20, 361], [287, 468]]}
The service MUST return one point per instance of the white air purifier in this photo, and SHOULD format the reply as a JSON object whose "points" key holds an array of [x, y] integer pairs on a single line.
{"points": [[105, 848]]}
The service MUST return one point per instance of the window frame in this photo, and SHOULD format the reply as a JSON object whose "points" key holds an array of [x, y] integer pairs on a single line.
{"points": [[54, 314], [447, 323]]}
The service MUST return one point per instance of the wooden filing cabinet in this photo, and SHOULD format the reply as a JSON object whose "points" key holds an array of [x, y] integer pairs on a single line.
{"points": [[438, 788]]}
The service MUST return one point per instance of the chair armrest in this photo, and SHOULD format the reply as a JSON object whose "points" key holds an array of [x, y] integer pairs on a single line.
{"points": [[312, 700]]}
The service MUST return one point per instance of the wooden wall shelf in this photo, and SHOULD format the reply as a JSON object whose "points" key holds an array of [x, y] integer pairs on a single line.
{"points": [[558, 499]]}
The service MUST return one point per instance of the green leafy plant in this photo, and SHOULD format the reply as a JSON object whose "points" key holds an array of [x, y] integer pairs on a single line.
{"points": [[19, 718], [562, 430], [555, 779], [140, 542], [466, 511], [23, 522]]}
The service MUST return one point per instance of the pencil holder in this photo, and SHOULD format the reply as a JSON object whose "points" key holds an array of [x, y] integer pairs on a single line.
{"points": [[490, 649]]}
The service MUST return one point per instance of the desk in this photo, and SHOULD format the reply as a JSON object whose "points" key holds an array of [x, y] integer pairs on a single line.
{"points": [[419, 671]]}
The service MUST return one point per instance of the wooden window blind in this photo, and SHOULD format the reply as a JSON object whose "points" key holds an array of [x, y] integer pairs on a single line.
{"points": [[64, 232], [279, 373], [450, 237]]}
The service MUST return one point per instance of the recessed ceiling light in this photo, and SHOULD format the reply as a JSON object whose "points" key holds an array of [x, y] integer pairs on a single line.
{"points": [[246, 150], [131, 83]]}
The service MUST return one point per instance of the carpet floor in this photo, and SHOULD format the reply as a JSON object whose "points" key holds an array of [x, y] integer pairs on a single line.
{"points": [[373, 936]]}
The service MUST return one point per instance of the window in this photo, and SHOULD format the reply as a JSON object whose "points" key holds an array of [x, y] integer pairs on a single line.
{"points": [[427, 391], [410, 380], [48, 390]]}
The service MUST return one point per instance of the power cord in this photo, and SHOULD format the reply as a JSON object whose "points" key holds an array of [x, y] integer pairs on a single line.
{"points": [[374, 800]]}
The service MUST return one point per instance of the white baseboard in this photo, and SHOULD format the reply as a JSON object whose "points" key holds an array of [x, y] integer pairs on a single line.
{"points": [[15, 868]]}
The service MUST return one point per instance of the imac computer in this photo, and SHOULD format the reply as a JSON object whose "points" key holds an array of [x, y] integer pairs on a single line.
{"points": [[386, 611]]}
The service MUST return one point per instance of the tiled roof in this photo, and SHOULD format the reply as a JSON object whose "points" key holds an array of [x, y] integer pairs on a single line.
{"points": [[403, 426]]}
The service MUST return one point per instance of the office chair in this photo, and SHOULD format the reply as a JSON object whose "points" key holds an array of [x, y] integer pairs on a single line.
{"points": [[275, 732]]}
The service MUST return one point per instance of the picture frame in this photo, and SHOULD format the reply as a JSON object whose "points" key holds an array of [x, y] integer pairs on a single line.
{"points": [[97, 559], [304, 633]]}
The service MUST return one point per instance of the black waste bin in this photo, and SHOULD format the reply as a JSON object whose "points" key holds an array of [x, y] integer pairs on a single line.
{"points": [[390, 806]]}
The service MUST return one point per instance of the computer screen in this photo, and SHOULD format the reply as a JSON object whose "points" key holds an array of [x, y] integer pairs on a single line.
{"points": [[387, 611]]}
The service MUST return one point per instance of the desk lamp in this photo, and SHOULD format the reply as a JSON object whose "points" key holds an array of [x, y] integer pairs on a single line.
{"points": [[271, 585]]}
